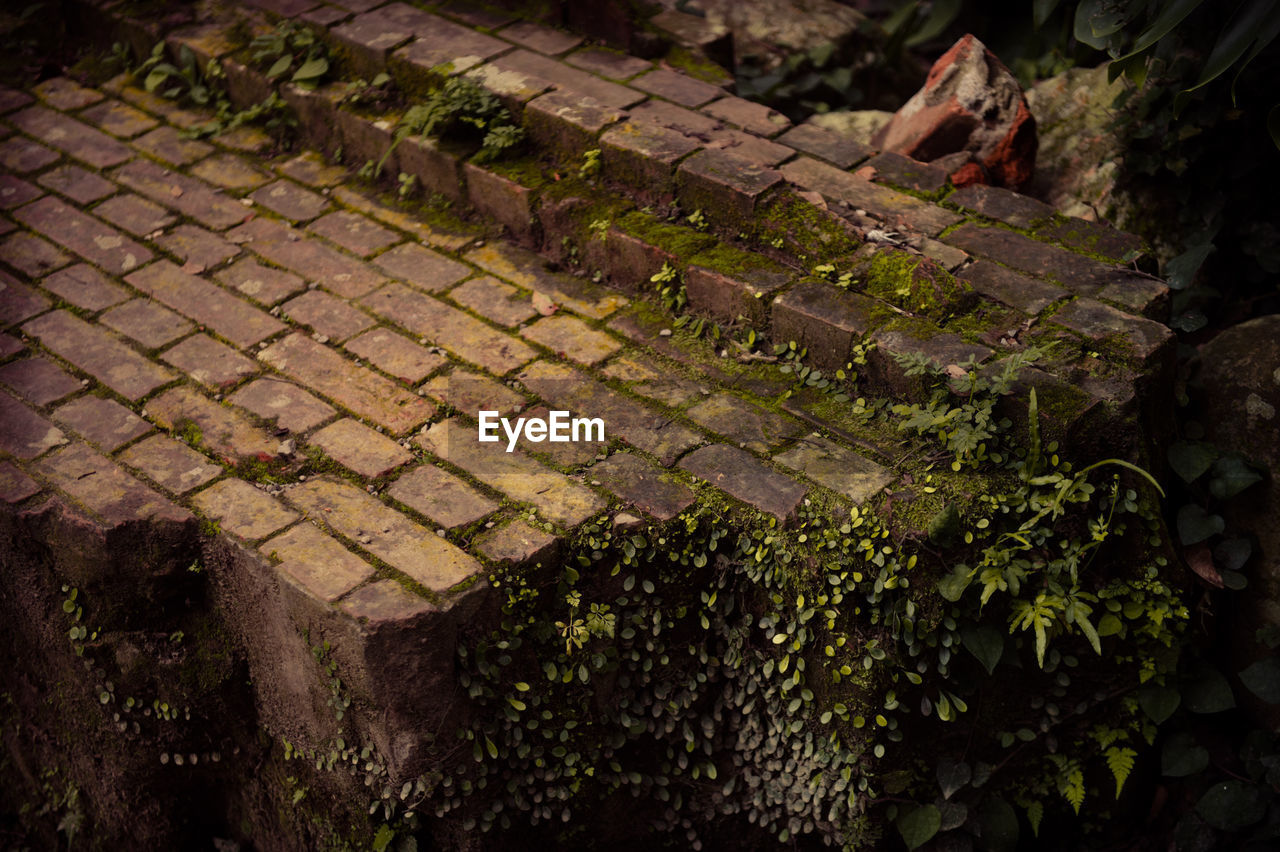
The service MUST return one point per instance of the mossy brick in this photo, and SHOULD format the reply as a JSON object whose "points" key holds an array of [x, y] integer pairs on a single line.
{"points": [[214, 365], [554, 495], [323, 17], [834, 148], [542, 39], [904, 335], [230, 171], [315, 111], [643, 157], [80, 185], [443, 498], [65, 94], [824, 320], [1139, 294], [795, 225], [135, 215], [470, 392], [494, 300], [285, 8], [639, 245], [914, 283], [435, 163], [571, 79], [518, 544], [264, 284], [729, 284], [98, 353], [288, 406], [118, 119], [170, 464], [395, 355], [503, 199], [1029, 295], [104, 422], [1000, 204], [205, 41], [103, 487], [528, 270], [712, 132], [246, 85], [836, 467], [744, 424], [243, 510], [695, 32], [15, 191], [643, 485], [569, 337], [748, 115], [608, 62], [367, 139], [23, 433], [1099, 238], [222, 430], [360, 390], [155, 104], [364, 43], [85, 287], [742, 476], [317, 561], [896, 170], [1081, 275], [948, 257], [676, 87], [360, 449], [459, 332], [898, 209], [327, 315], [723, 186], [18, 301], [568, 124], [1145, 341], [38, 380]]}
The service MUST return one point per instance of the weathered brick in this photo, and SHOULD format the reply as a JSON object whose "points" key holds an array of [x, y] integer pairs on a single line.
{"points": [[166, 144], [564, 77], [644, 156], [469, 392], [325, 16], [920, 338], [1149, 342], [10, 345], [31, 255], [170, 464], [494, 300], [406, 546], [517, 544], [639, 425], [263, 284], [1081, 275], [80, 185], [443, 43], [11, 99], [421, 267], [23, 155], [208, 304], [465, 336], [118, 119], [212, 364], [739, 474], [196, 246], [289, 406], [1001, 204], [285, 8], [358, 389], [643, 485], [243, 510], [385, 602], [368, 39], [291, 201], [38, 380], [105, 422], [230, 172], [395, 354], [1141, 294], [318, 562], [75, 138], [146, 322], [540, 38], [155, 104], [608, 63], [554, 495], [98, 353], [1093, 237], [476, 15], [15, 191], [677, 87], [748, 115], [354, 233], [745, 293], [82, 234], [893, 168], [653, 379], [514, 88], [332, 317], [528, 270], [903, 211], [839, 150], [836, 467], [188, 196], [312, 169], [23, 433], [101, 486], [948, 257], [711, 132], [18, 301], [309, 257], [823, 319], [360, 449], [571, 338], [744, 424], [366, 139], [221, 430], [1029, 295], [442, 497], [568, 123], [724, 185], [133, 214], [436, 164], [64, 94], [507, 201], [15, 486]]}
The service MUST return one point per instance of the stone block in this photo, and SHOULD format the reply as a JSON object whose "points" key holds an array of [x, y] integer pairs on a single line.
{"points": [[835, 148], [824, 320], [725, 187], [643, 157], [742, 476], [568, 124]]}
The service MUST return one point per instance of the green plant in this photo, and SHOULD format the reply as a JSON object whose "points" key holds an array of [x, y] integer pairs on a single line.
{"points": [[590, 164], [599, 228], [407, 183], [462, 108], [698, 221], [291, 47]]}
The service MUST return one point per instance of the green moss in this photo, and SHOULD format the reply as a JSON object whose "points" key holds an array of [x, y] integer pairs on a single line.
{"points": [[734, 262], [678, 240], [794, 225], [697, 66], [915, 284], [526, 171]]}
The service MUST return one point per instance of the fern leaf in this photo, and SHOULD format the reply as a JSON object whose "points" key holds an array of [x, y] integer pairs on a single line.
{"points": [[1120, 762], [1071, 783], [1035, 813]]}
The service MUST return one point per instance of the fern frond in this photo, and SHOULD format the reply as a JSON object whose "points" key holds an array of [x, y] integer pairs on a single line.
{"points": [[1120, 762]]}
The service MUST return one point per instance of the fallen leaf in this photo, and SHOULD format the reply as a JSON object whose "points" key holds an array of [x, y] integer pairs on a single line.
{"points": [[955, 371], [192, 268], [1200, 559], [175, 190], [543, 305]]}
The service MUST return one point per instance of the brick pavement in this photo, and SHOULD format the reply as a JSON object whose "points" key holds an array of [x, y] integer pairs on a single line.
{"points": [[191, 330]]}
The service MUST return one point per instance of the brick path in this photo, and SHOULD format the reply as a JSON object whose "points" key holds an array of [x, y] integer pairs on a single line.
{"points": [[191, 330]]}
